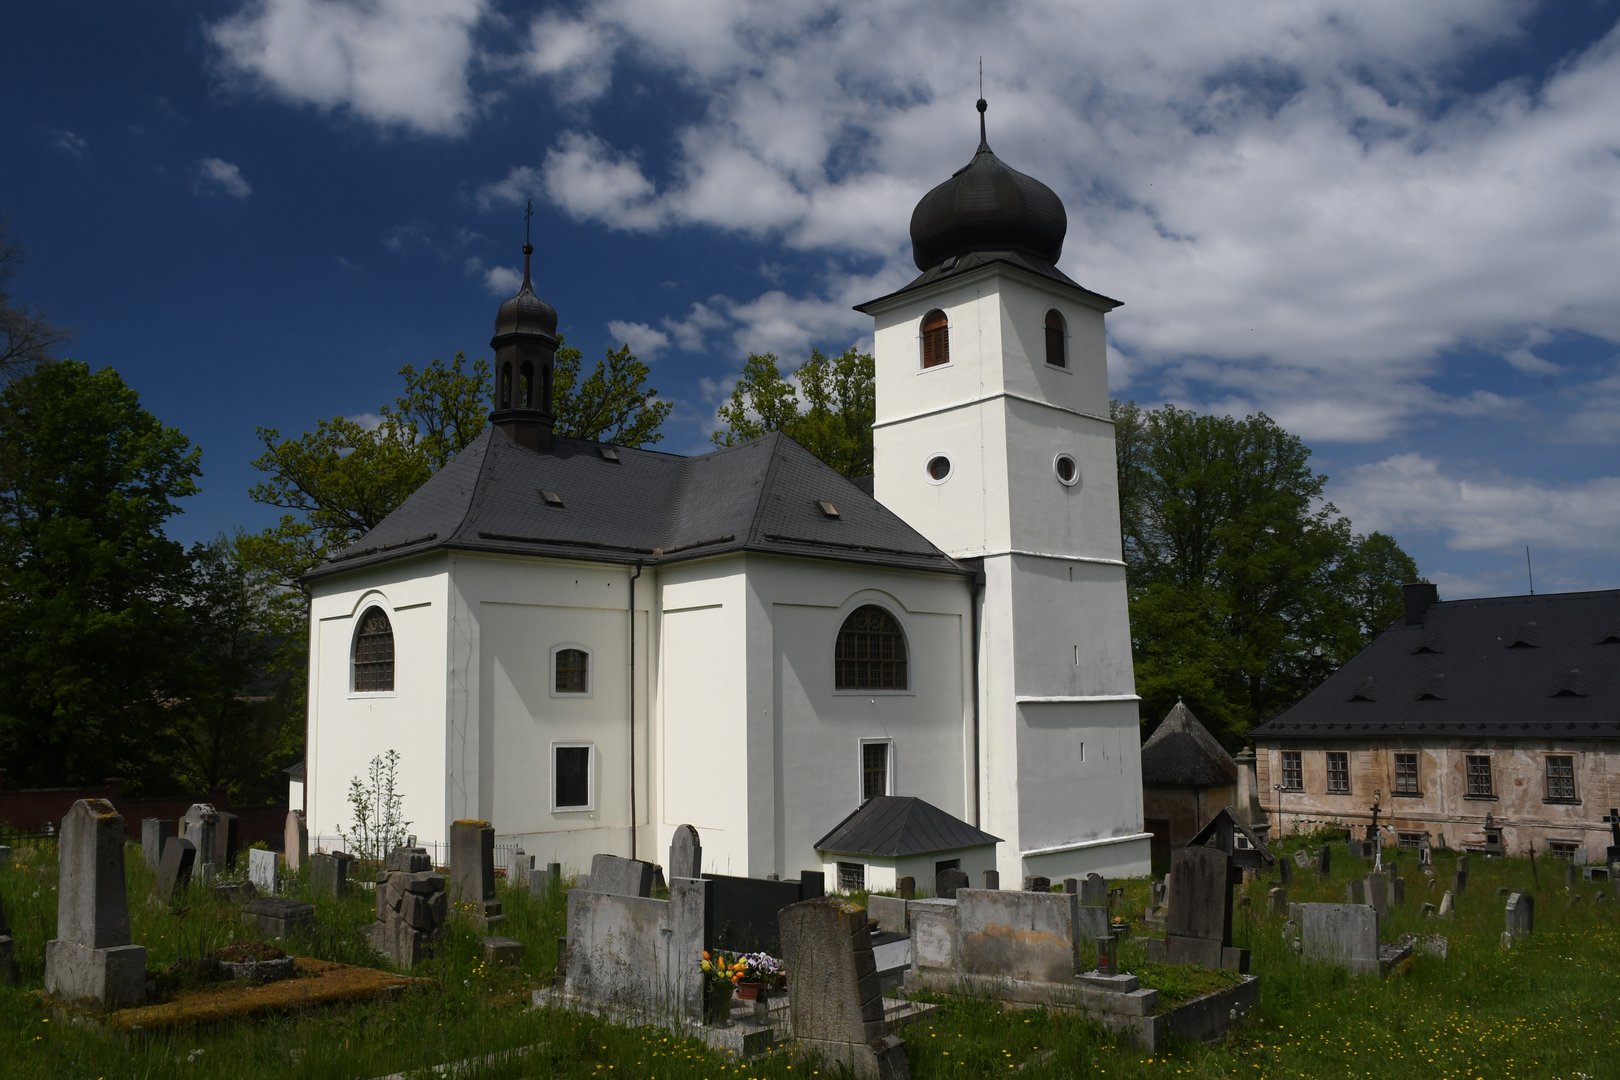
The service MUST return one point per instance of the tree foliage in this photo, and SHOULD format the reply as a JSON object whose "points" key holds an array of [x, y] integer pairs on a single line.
{"points": [[614, 404], [27, 337], [1247, 589], [833, 420]]}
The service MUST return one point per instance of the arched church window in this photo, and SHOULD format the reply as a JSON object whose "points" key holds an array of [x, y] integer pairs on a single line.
{"points": [[526, 386], [571, 671], [936, 339], [374, 653], [1057, 339], [504, 393], [871, 652]]}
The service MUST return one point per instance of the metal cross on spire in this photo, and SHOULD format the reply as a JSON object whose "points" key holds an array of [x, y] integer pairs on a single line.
{"points": [[528, 216]]}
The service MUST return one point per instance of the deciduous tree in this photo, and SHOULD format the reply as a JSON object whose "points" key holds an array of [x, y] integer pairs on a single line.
{"points": [[833, 420], [27, 337]]}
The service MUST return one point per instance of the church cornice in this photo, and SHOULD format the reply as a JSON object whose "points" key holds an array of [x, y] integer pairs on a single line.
{"points": [[982, 399], [979, 266]]}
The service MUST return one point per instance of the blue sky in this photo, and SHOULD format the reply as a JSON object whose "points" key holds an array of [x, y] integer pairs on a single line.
{"points": [[1394, 227]]}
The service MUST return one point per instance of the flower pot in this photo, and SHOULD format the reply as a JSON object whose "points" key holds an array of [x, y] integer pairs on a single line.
{"points": [[749, 990], [717, 1003]]}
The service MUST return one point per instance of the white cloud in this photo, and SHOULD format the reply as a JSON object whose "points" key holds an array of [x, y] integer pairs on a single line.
{"points": [[645, 341], [69, 143], [394, 63], [573, 53], [518, 186], [589, 180], [690, 332], [213, 174], [370, 421], [502, 281], [1484, 510]]}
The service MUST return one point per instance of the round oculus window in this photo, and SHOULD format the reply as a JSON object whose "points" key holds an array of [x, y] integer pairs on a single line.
{"points": [[939, 468], [1068, 473]]}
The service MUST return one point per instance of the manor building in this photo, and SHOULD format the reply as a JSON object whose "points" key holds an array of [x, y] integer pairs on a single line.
{"points": [[588, 645]]}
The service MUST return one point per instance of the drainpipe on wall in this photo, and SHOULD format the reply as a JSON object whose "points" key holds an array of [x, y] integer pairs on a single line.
{"points": [[632, 697], [978, 601]]}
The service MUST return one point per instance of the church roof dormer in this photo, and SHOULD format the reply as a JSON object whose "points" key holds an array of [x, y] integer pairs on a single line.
{"points": [[987, 205]]}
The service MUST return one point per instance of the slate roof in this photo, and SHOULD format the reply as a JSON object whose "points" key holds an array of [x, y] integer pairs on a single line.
{"points": [[975, 259], [898, 825], [1508, 667], [1182, 753], [645, 506]]}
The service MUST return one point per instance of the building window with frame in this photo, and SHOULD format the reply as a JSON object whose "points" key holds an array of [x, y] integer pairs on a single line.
{"points": [[851, 877], [373, 653], [936, 339], [875, 763], [1478, 774], [571, 671], [1293, 771], [1057, 339], [1338, 772], [1563, 849], [870, 653], [1406, 774], [1412, 840], [1561, 778], [573, 776]]}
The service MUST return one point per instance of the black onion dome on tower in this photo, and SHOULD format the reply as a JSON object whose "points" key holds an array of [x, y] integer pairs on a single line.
{"points": [[987, 206], [525, 313]]}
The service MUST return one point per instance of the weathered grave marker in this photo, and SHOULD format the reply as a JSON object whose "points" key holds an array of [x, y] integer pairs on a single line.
{"points": [[1377, 892], [174, 870], [1341, 934], [295, 840], [1520, 917], [262, 870], [1302, 859], [685, 853], [91, 957], [1094, 890], [412, 907], [1198, 927], [225, 840], [619, 876], [329, 873], [833, 991], [947, 882], [1355, 891], [992, 879], [472, 872], [1445, 904], [154, 833], [201, 826], [1324, 861], [906, 887], [1277, 901], [1037, 883], [1285, 872]]}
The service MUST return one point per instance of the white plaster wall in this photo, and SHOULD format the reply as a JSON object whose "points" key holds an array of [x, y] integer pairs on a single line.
{"points": [[1083, 384], [903, 386], [346, 730], [1073, 628], [1046, 515], [1079, 772], [968, 513]]}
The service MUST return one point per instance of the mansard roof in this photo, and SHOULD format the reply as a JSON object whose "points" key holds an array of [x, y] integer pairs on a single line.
{"points": [[900, 825], [1182, 753], [1510, 667], [620, 504]]}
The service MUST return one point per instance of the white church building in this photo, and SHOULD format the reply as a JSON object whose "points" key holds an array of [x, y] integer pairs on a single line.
{"points": [[589, 645]]}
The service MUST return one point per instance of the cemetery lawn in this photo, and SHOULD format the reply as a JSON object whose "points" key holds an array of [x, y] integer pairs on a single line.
{"points": [[1546, 1007]]}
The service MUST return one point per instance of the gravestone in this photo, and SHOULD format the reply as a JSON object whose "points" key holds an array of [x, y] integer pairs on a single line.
{"points": [[1277, 901], [412, 907], [1198, 927], [262, 870], [1302, 859], [685, 853], [1446, 903], [619, 876], [1355, 891], [1462, 862], [888, 912], [1397, 891], [295, 840], [200, 825], [1341, 934], [278, 916], [947, 882], [154, 833], [329, 874], [636, 953], [225, 840], [1037, 883], [1324, 861], [1520, 917], [906, 887], [472, 873], [91, 958], [1377, 889], [992, 879], [1459, 880], [174, 870], [542, 881], [1427, 910], [1612, 856], [833, 993], [1094, 890], [1571, 874], [1285, 872], [1071, 886]]}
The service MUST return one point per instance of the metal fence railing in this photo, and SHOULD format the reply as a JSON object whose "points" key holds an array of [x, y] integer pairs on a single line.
{"points": [[505, 854]]}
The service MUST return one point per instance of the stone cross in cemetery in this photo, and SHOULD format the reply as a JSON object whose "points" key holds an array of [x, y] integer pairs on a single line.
{"points": [[174, 869], [91, 957], [833, 993], [155, 832], [1198, 928], [685, 853], [1520, 917], [262, 870], [1612, 819], [472, 872], [295, 840], [201, 826]]}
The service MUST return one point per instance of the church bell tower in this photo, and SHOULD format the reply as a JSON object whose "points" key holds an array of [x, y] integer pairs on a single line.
{"points": [[525, 345]]}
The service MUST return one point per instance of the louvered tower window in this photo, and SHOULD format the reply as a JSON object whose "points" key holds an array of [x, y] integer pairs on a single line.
{"points": [[1057, 339], [936, 339]]}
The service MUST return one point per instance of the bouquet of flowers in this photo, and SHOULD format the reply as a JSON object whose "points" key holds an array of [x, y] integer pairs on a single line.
{"points": [[764, 968], [722, 971]]}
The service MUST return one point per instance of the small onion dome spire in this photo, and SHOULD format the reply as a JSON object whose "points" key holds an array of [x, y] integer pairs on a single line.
{"points": [[526, 312], [987, 206]]}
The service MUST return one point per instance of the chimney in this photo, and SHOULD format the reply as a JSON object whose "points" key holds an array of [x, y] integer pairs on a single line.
{"points": [[1419, 597]]}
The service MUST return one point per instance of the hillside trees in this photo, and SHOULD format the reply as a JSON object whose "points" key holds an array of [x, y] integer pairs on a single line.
{"points": [[1246, 587], [832, 421]]}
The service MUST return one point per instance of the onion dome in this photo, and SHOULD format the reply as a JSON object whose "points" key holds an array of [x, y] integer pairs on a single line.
{"points": [[987, 206], [526, 313]]}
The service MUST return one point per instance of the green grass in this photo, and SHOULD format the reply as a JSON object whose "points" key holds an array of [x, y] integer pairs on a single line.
{"points": [[1547, 1007]]}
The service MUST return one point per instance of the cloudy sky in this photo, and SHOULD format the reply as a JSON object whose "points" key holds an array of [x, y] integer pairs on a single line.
{"points": [[1392, 226]]}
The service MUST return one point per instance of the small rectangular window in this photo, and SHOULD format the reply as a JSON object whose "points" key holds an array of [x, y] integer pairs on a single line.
{"points": [[851, 877], [1563, 849], [1293, 772], [1338, 772], [573, 671], [1479, 777], [1409, 839], [874, 769], [1560, 778], [571, 774], [1406, 774]]}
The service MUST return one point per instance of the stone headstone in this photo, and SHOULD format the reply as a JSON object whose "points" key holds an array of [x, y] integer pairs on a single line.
{"points": [[947, 882], [1571, 874], [1462, 862], [225, 840], [1156, 892], [1446, 903], [154, 833], [472, 873], [1355, 891], [1285, 872], [1324, 861], [201, 826], [1071, 886], [1302, 859], [1427, 910], [412, 907], [685, 853], [1459, 881], [621, 877], [91, 958], [262, 870], [1037, 883], [295, 840], [1434, 945], [1094, 890], [1520, 917], [1198, 926], [1377, 890], [1342, 934], [329, 874], [1397, 891], [992, 879], [1277, 901], [833, 993], [278, 916], [174, 869], [906, 887], [888, 912]]}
